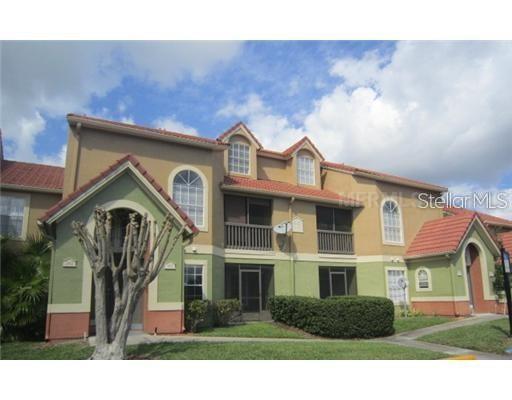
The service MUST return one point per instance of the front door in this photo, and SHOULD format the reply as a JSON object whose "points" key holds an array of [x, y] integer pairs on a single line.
{"points": [[250, 291]]}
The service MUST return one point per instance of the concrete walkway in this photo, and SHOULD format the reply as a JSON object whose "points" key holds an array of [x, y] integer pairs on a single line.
{"points": [[407, 339]]}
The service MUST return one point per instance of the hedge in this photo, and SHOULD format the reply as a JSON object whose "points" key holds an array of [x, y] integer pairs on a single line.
{"points": [[201, 314], [337, 317]]}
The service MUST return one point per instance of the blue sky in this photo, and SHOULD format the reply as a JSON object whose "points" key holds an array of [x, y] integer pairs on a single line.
{"points": [[437, 111]]}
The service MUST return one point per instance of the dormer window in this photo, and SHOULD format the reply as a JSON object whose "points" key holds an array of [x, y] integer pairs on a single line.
{"points": [[305, 170], [238, 158]]}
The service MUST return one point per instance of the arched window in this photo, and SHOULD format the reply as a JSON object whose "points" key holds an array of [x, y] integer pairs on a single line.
{"points": [[423, 279], [188, 193], [239, 154], [306, 170], [392, 222]]}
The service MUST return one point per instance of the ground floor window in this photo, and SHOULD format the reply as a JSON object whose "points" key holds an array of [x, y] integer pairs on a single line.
{"points": [[12, 214], [252, 284], [396, 292], [193, 282], [337, 281]]}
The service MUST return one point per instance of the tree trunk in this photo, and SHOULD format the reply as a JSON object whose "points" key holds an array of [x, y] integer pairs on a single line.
{"points": [[100, 313]]}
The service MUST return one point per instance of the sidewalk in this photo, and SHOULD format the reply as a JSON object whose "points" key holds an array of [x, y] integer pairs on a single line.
{"points": [[407, 339]]}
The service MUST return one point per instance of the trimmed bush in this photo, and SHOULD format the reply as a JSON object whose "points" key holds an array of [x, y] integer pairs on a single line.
{"points": [[337, 317], [197, 313], [225, 310]]}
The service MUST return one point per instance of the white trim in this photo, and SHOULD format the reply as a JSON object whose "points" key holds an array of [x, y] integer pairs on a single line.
{"points": [[439, 298], [205, 249], [9, 186], [484, 271], [176, 171], [417, 280], [396, 268], [67, 308], [89, 192], [402, 233], [297, 170], [250, 145], [204, 266], [26, 212]]}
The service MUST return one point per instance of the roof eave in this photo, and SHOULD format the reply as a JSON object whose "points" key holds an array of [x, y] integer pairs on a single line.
{"points": [[22, 188], [429, 255], [397, 181], [315, 199], [141, 132]]}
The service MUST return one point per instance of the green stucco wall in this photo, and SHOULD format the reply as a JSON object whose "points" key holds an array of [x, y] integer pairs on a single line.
{"points": [[66, 283]]}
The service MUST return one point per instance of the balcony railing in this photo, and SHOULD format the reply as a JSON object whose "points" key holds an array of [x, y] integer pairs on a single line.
{"points": [[248, 237], [332, 242]]}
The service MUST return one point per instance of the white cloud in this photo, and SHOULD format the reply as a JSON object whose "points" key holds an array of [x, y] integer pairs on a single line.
{"points": [[42, 79], [438, 111], [172, 124], [58, 159], [274, 131], [487, 199]]}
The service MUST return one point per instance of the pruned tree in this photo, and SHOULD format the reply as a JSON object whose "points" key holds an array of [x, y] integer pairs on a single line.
{"points": [[143, 256]]}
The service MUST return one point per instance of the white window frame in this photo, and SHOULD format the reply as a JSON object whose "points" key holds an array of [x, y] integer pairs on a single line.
{"points": [[301, 172], [197, 263], [400, 219], [429, 280], [26, 212], [404, 270], [235, 143], [172, 176]]}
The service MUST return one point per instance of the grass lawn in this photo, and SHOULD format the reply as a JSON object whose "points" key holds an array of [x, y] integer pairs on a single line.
{"points": [[491, 337], [253, 330], [412, 323], [339, 350]]}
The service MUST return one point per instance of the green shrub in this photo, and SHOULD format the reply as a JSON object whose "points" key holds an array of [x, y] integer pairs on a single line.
{"points": [[225, 310], [197, 313], [337, 317], [25, 269]]}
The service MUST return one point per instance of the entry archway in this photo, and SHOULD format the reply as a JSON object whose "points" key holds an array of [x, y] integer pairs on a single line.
{"points": [[473, 270]]}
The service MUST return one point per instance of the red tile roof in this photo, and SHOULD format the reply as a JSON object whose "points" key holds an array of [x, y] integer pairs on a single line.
{"points": [[297, 145], [381, 175], [441, 236], [126, 159], [29, 175], [239, 124], [506, 239], [163, 132], [486, 218], [287, 189]]}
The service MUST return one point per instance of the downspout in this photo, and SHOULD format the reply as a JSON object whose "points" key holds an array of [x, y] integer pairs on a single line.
{"points": [[290, 242], [78, 151]]}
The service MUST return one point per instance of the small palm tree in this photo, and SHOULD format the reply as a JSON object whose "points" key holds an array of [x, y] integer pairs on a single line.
{"points": [[24, 287]]}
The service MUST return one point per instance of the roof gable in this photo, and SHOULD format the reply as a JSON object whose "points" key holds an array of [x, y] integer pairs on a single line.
{"points": [[306, 143], [124, 164], [445, 236], [486, 218], [240, 129]]}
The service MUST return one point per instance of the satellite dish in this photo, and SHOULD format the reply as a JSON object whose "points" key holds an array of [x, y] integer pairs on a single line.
{"points": [[281, 228]]}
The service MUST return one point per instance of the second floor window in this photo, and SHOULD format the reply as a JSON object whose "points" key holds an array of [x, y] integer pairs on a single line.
{"points": [[12, 212], [333, 219], [305, 170], [239, 156], [392, 222], [188, 193]]}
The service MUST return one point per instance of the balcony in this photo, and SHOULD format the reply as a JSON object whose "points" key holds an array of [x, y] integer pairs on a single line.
{"points": [[248, 236], [333, 242]]}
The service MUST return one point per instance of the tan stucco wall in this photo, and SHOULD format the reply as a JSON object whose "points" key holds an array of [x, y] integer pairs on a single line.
{"points": [[367, 226], [98, 150]]}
